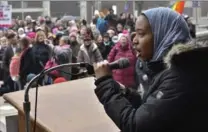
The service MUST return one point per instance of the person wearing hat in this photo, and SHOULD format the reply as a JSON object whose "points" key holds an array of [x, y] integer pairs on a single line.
{"points": [[111, 18], [31, 36], [123, 49], [89, 51], [107, 40], [107, 44], [59, 80], [111, 33], [21, 33], [63, 55], [75, 47], [101, 46]]}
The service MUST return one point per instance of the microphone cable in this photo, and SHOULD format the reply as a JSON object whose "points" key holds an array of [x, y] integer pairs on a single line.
{"points": [[36, 98]]}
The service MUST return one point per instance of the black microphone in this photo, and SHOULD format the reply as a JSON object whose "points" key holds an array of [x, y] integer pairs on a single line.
{"points": [[118, 64]]}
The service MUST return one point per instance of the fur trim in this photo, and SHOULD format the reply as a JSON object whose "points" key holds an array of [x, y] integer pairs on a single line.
{"points": [[93, 46], [182, 48]]}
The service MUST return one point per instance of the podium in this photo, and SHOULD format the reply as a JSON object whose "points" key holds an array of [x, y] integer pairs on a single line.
{"points": [[66, 107]]}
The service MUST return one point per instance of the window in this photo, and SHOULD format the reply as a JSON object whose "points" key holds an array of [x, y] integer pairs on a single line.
{"points": [[17, 15], [204, 10], [15, 4], [34, 15], [32, 4], [60, 8]]}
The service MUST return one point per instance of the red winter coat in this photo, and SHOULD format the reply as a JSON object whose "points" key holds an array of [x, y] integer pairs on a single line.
{"points": [[125, 76]]}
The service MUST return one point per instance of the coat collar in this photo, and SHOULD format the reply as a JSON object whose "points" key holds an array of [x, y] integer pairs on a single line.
{"points": [[191, 57]]}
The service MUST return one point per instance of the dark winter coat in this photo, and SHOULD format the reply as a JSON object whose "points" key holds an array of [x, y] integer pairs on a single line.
{"points": [[26, 64], [105, 49], [8, 54], [176, 100], [145, 72], [41, 54]]}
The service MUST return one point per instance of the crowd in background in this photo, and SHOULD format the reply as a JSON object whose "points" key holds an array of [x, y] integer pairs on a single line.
{"points": [[30, 46]]}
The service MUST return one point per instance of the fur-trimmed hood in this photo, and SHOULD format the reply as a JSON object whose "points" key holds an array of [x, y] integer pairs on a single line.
{"points": [[92, 47], [191, 57]]}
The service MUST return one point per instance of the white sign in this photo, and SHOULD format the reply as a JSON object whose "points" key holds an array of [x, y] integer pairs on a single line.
{"points": [[195, 4], [5, 15], [3, 2]]}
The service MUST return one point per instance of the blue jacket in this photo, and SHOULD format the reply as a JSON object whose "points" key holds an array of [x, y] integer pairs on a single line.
{"points": [[101, 25]]}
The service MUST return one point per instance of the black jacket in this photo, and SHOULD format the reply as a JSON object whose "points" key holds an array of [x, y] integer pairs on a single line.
{"points": [[8, 54], [176, 100], [145, 72], [41, 54], [2, 50], [105, 49], [112, 20], [26, 65]]}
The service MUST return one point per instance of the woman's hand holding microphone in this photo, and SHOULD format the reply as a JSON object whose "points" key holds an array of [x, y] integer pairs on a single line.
{"points": [[102, 69]]}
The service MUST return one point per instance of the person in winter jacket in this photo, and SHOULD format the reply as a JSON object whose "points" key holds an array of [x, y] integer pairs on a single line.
{"points": [[14, 67], [108, 44], [119, 28], [111, 18], [8, 54], [26, 61], [21, 33], [123, 50], [111, 33], [176, 98], [89, 51], [101, 24], [41, 52], [3, 46], [63, 54], [101, 46], [75, 47], [81, 35]]}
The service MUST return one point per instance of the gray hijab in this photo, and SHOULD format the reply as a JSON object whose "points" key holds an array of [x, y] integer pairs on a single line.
{"points": [[168, 28]]}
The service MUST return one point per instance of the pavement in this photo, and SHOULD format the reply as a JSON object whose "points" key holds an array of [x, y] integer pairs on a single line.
{"points": [[5, 110], [2, 118]]}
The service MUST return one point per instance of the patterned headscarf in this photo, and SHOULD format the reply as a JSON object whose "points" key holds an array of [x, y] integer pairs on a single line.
{"points": [[168, 28]]}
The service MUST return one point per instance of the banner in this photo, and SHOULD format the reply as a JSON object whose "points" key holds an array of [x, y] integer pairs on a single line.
{"points": [[126, 6], [195, 4], [5, 15]]}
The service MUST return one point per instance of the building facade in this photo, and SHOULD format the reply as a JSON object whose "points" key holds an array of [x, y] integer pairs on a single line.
{"points": [[85, 9]]}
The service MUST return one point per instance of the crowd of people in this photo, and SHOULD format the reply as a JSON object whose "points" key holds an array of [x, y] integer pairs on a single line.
{"points": [[29, 46], [163, 89]]}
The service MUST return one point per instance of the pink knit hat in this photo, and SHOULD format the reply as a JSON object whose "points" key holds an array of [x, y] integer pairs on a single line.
{"points": [[31, 35], [126, 32]]}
